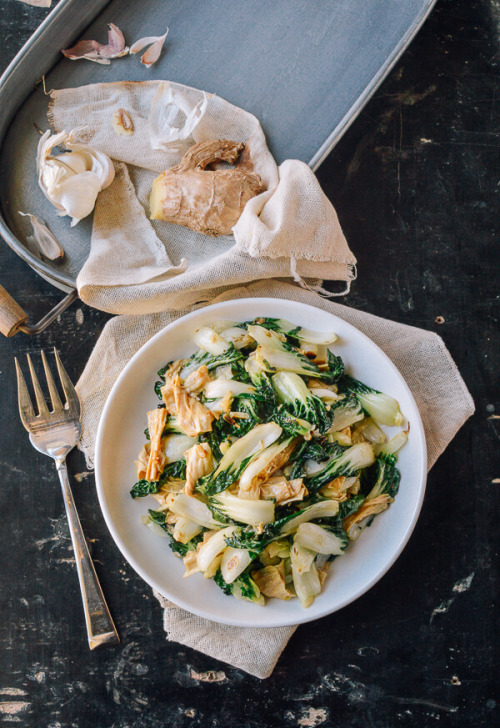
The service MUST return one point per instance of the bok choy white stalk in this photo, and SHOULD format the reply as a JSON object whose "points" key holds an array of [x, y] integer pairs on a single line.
{"points": [[349, 463], [261, 465], [185, 530], [298, 332], [345, 413], [220, 387], [394, 445], [272, 359], [322, 509], [266, 337], [234, 562], [369, 430], [319, 539], [302, 558], [238, 456], [212, 548], [175, 446], [305, 581], [208, 340], [382, 407], [191, 508], [243, 510], [237, 336], [294, 393]]}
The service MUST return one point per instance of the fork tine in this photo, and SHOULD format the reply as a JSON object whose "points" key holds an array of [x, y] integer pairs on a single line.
{"points": [[54, 394], [67, 385], [25, 407], [43, 410]]}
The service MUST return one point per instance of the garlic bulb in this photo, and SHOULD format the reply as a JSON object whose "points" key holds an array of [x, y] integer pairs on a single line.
{"points": [[71, 181]]}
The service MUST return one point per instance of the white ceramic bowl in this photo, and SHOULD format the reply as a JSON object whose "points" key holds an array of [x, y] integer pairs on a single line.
{"points": [[120, 437]]}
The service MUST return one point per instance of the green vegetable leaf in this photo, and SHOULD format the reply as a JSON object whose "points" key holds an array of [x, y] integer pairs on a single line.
{"points": [[145, 487], [350, 506], [148, 487], [177, 547], [244, 587], [348, 463], [210, 485], [335, 369], [291, 425], [211, 361], [382, 477], [219, 580], [383, 408]]}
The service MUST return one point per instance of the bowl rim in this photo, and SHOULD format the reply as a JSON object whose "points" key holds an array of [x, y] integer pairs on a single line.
{"points": [[416, 425]]}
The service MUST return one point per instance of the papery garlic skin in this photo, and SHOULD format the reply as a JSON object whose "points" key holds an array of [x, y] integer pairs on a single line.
{"points": [[153, 53], [173, 118], [91, 50], [72, 181]]}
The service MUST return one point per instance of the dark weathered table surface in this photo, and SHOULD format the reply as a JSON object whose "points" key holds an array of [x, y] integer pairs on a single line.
{"points": [[415, 182]]}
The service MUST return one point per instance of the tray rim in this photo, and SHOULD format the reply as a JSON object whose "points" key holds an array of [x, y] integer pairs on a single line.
{"points": [[354, 111], [62, 280]]}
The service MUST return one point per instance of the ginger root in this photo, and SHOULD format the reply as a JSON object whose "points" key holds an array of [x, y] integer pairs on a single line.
{"points": [[209, 201]]}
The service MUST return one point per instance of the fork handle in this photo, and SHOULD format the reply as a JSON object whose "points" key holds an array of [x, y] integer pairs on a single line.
{"points": [[100, 627]]}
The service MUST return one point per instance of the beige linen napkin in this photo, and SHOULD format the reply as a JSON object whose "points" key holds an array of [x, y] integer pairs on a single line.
{"points": [[421, 357], [138, 266]]}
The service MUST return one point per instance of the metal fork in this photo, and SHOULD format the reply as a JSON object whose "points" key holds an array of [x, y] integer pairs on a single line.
{"points": [[55, 433]]}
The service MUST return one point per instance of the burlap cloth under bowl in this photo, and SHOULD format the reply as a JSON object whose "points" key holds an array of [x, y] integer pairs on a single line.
{"points": [[421, 357]]}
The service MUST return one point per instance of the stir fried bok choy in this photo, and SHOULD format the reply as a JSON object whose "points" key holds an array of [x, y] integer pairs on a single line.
{"points": [[266, 458]]}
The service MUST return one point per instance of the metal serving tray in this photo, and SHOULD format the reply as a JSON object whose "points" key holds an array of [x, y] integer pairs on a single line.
{"points": [[304, 68]]}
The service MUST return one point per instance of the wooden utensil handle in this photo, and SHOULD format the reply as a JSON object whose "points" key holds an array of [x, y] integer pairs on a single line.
{"points": [[12, 315]]}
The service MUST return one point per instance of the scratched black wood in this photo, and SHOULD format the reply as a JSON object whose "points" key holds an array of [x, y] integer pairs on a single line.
{"points": [[415, 182]]}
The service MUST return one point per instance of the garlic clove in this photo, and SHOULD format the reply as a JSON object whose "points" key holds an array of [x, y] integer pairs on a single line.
{"points": [[73, 162], [122, 123], [77, 196], [97, 162], [43, 239]]}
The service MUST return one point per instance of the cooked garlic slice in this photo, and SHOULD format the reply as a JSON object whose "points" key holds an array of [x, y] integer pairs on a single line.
{"points": [[71, 181]]}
